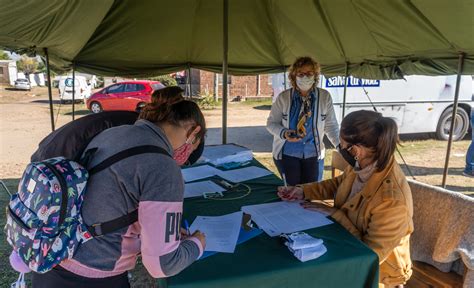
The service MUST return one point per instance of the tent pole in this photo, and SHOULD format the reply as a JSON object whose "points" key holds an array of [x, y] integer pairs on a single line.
{"points": [[190, 83], [50, 93], [73, 88], [284, 78], [453, 118], [225, 71], [346, 79]]}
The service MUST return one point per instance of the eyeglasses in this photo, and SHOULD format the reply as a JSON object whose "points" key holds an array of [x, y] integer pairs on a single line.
{"points": [[308, 74]]}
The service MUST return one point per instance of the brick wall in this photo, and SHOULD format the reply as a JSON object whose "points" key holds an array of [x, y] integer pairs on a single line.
{"points": [[244, 86]]}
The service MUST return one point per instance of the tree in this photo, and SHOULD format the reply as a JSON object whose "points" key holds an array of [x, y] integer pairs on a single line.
{"points": [[27, 65], [4, 55]]}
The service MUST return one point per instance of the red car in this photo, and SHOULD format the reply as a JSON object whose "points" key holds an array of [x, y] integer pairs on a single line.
{"points": [[125, 96]]}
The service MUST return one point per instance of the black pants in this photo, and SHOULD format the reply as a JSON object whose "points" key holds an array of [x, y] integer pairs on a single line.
{"points": [[300, 171], [60, 277]]}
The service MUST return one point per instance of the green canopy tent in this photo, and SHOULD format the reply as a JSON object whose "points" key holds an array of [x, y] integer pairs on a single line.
{"points": [[378, 39]]}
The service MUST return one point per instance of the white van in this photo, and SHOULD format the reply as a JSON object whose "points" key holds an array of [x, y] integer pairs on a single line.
{"points": [[82, 88], [419, 104]]}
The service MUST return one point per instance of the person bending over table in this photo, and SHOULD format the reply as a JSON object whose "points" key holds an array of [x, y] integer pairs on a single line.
{"points": [[372, 199], [298, 121], [151, 183]]}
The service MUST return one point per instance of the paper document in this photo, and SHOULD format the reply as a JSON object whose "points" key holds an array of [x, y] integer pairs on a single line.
{"points": [[284, 217], [221, 231], [199, 172], [220, 154], [196, 189], [244, 174]]}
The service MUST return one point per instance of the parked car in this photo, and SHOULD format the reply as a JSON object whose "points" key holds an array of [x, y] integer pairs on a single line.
{"points": [[22, 84], [126, 96]]}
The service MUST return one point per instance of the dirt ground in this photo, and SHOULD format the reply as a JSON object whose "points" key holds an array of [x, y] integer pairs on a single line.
{"points": [[25, 121]]}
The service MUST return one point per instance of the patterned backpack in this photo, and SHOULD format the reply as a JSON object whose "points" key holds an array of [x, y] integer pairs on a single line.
{"points": [[44, 222]]}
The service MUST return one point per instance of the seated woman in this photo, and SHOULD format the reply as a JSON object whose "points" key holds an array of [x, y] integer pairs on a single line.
{"points": [[372, 199], [151, 183]]}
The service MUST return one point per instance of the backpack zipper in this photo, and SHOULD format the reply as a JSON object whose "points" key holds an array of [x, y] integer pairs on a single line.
{"points": [[62, 183]]}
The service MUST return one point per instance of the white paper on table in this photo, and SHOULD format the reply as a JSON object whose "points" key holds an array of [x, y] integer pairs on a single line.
{"points": [[196, 189], [244, 174], [199, 172], [221, 232], [285, 217]]}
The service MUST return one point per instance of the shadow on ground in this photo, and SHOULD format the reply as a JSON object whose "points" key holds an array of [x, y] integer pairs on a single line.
{"points": [[263, 107]]}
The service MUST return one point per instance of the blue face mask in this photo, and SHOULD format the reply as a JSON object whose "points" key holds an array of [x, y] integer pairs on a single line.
{"points": [[346, 155]]}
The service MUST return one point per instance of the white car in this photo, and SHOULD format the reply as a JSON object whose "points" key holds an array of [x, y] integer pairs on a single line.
{"points": [[22, 84]]}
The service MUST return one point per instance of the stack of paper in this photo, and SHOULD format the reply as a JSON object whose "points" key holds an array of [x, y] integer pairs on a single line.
{"points": [[199, 172], [284, 217], [221, 231], [196, 189], [220, 154]]}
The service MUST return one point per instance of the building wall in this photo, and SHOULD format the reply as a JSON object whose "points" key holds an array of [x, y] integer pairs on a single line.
{"points": [[244, 86], [5, 72]]}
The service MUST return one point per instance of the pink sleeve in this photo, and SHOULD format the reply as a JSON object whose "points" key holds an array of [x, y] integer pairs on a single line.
{"points": [[163, 253]]}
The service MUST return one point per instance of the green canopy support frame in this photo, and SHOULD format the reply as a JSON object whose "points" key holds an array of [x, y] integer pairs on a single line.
{"points": [[50, 93], [284, 77], [453, 117], [225, 71], [190, 82], [73, 89], [346, 79]]}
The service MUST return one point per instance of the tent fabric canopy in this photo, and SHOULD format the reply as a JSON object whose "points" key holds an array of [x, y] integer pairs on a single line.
{"points": [[379, 39]]}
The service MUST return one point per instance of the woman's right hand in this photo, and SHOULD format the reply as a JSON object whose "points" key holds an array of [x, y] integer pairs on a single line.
{"points": [[201, 236], [289, 136], [290, 193]]}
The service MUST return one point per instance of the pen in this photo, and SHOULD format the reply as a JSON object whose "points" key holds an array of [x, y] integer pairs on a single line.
{"points": [[284, 181], [186, 225]]}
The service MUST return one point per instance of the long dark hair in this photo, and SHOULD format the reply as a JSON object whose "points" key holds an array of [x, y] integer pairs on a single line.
{"points": [[374, 131]]}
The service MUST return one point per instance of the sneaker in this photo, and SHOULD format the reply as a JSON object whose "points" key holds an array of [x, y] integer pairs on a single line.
{"points": [[468, 174]]}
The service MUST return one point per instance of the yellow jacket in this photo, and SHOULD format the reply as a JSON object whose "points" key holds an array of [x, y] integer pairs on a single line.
{"points": [[380, 215]]}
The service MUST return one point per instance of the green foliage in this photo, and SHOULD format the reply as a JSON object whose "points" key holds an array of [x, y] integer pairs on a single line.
{"points": [[166, 80], [206, 101], [4, 55]]}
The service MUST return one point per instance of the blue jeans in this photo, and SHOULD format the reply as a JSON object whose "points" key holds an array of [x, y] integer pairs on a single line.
{"points": [[470, 151], [300, 171]]}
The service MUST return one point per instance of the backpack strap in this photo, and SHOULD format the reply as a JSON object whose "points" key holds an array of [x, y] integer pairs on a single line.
{"points": [[125, 154], [100, 229], [110, 226]]}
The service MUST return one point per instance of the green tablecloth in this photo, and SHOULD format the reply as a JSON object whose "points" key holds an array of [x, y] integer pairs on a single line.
{"points": [[265, 262]]}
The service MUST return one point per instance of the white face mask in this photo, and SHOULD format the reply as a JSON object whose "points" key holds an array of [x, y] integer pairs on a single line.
{"points": [[305, 83]]}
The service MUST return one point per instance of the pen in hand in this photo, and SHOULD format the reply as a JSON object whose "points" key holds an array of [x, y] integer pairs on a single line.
{"points": [[284, 181]]}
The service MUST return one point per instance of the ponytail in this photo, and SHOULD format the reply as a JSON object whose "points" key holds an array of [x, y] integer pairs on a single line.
{"points": [[161, 99], [387, 141]]}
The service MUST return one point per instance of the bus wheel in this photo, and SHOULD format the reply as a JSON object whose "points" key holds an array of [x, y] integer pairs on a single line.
{"points": [[461, 124]]}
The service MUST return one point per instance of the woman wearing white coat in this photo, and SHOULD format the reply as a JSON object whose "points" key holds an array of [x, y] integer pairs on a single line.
{"points": [[298, 121]]}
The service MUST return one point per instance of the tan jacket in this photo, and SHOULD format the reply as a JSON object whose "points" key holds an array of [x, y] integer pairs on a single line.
{"points": [[380, 215]]}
